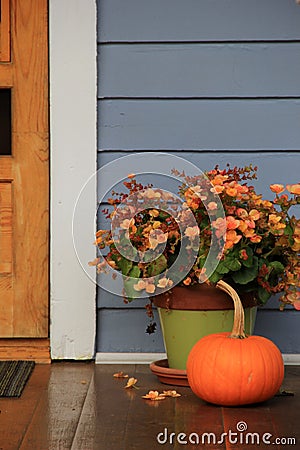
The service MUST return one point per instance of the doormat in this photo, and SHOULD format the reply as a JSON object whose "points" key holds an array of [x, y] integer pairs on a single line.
{"points": [[14, 376]]}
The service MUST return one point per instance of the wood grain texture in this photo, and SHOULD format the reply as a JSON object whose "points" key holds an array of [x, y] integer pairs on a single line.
{"points": [[6, 305], [199, 70], [199, 124], [24, 296], [6, 75], [37, 350], [17, 415], [5, 31], [81, 406], [193, 20], [6, 237], [54, 422]]}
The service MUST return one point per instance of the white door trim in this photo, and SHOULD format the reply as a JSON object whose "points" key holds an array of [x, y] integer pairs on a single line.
{"points": [[73, 150]]}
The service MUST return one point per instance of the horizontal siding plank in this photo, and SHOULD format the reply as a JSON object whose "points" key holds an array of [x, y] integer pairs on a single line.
{"points": [[194, 20], [273, 167], [199, 124], [124, 331], [281, 327], [199, 70]]}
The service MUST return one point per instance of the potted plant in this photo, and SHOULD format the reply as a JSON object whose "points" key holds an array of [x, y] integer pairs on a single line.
{"points": [[217, 228]]}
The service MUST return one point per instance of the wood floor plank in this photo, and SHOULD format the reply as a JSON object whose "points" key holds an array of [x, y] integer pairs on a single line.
{"points": [[172, 423], [284, 412], [56, 417], [81, 406], [16, 413], [115, 418], [269, 421], [86, 430]]}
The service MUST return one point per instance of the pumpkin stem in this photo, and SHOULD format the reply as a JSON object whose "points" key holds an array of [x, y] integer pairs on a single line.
{"points": [[238, 330]]}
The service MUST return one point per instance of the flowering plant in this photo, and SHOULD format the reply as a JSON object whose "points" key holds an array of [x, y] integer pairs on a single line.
{"points": [[218, 227]]}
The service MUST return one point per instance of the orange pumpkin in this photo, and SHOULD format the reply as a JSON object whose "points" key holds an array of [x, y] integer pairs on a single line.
{"points": [[231, 369]]}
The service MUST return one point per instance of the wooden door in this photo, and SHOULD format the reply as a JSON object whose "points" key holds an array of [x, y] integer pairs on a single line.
{"points": [[24, 181]]}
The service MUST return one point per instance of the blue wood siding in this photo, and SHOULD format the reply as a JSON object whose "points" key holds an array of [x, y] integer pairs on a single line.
{"points": [[199, 70], [213, 82], [195, 20]]}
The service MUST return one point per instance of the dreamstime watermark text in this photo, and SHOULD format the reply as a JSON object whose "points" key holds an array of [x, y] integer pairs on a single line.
{"points": [[239, 436]]}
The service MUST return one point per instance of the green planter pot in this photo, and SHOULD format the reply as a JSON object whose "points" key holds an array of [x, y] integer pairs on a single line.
{"points": [[189, 313]]}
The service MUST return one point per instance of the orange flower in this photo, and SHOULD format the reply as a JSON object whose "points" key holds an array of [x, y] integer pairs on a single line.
{"points": [[255, 239], [154, 212], [277, 188], [232, 223], [243, 226], [242, 213], [254, 214], [250, 223], [294, 188], [232, 238], [231, 191], [187, 281], [296, 305], [217, 189], [274, 219], [219, 179], [266, 203]]}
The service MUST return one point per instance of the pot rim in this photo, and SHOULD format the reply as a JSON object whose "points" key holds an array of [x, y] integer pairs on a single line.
{"points": [[201, 297]]}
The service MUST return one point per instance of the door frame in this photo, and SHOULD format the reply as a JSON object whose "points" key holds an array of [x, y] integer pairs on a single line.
{"points": [[73, 155]]}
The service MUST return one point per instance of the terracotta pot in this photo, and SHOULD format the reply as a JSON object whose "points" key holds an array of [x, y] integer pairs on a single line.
{"points": [[189, 313]]}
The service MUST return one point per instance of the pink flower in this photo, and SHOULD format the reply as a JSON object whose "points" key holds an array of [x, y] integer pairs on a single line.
{"points": [[212, 206], [192, 232]]}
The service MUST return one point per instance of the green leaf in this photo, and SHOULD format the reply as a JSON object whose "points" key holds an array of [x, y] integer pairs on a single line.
{"points": [[263, 295], [277, 267], [246, 274], [222, 268], [135, 272], [215, 277], [233, 264], [157, 266], [125, 265], [129, 281]]}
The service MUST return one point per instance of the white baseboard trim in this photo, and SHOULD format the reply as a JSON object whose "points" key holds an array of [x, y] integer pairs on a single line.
{"points": [[128, 358], [146, 358], [291, 359]]}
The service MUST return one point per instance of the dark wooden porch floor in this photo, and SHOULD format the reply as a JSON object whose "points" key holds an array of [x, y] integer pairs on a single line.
{"points": [[81, 406]]}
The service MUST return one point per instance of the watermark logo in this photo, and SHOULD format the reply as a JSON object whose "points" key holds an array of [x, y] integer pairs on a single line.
{"points": [[240, 436]]}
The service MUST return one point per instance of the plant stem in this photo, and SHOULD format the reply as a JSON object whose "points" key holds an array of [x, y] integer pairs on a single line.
{"points": [[238, 329]]}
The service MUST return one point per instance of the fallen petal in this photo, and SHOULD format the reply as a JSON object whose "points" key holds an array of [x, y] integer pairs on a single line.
{"points": [[171, 394], [120, 375], [131, 383], [154, 395]]}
